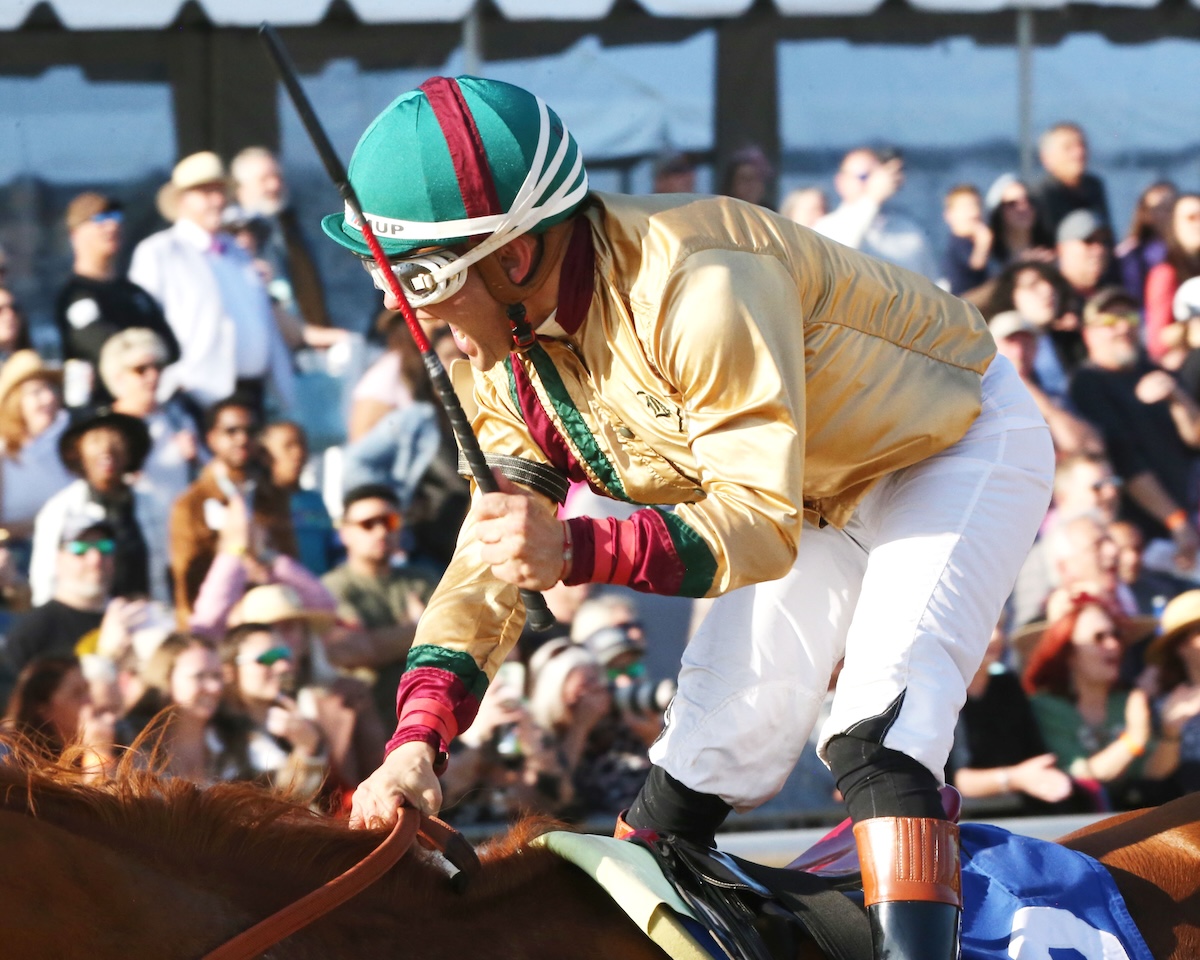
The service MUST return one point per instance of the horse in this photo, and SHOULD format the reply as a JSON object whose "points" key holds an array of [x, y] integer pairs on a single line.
{"points": [[141, 867]]}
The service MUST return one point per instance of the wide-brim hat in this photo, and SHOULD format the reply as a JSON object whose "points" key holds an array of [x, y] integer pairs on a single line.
{"points": [[194, 170], [1178, 618], [1024, 640], [277, 603], [452, 159], [133, 429], [22, 366]]}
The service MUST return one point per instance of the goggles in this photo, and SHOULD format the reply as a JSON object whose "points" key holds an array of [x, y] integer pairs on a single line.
{"points": [[422, 278]]}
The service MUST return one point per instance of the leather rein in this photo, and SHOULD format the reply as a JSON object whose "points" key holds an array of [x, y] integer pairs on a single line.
{"points": [[430, 832]]}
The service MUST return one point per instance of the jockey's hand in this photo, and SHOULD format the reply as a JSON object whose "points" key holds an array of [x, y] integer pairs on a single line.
{"points": [[405, 777], [519, 536]]}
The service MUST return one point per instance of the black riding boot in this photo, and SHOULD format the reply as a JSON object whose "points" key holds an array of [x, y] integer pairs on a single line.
{"points": [[667, 807], [911, 886]]}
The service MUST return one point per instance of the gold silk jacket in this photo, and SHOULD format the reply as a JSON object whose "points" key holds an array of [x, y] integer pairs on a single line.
{"points": [[730, 365]]}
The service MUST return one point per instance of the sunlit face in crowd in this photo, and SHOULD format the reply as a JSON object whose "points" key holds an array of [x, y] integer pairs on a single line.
{"points": [[1186, 223], [287, 453], [851, 179], [1158, 203], [370, 530], [137, 382], [1128, 539], [40, 404], [104, 456], [263, 671], [1018, 211], [84, 568], [1064, 154], [1089, 487], [62, 710], [196, 683], [10, 321], [1083, 262], [583, 681], [964, 214], [1096, 649], [1034, 297], [1092, 559], [98, 237], [98, 719], [260, 186], [203, 205], [1019, 348], [1112, 342], [232, 438]]}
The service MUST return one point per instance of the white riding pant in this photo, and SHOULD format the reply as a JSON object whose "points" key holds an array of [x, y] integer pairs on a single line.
{"points": [[909, 593]]}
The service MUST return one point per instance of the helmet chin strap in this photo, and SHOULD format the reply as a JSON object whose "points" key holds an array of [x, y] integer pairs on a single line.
{"points": [[513, 295]]}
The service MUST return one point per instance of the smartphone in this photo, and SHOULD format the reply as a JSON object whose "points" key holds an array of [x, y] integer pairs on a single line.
{"points": [[510, 675]]}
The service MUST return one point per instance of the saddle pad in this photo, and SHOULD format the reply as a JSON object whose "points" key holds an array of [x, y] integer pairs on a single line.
{"points": [[1029, 899], [631, 877]]}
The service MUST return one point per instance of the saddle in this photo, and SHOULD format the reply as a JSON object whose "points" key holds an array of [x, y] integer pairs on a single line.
{"points": [[753, 912]]}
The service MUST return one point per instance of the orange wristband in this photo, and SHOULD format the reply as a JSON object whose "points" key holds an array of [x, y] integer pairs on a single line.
{"points": [[1176, 520], [1135, 748]]}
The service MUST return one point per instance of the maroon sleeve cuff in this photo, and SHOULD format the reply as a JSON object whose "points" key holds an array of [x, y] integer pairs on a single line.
{"points": [[411, 733]]}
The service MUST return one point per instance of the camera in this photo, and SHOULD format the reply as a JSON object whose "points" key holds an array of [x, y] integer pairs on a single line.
{"points": [[643, 697]]}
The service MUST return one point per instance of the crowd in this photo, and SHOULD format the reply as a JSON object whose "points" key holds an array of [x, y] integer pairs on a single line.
{"points": [[177, 593]]}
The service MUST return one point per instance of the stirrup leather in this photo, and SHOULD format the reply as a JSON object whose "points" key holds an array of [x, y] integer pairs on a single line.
{"points": [[909, 858]]}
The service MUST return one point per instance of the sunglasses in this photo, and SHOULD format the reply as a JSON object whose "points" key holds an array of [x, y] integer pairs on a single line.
{"points": [[237, 431], [635, 671], [108, 216], [390, 521], [1113, 319], [419, 277], [144, 368], [78, 548], [268, 658], [1107, 482]]}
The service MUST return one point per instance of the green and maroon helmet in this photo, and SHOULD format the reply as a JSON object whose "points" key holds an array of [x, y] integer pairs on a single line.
{"points": [[458, 159]]}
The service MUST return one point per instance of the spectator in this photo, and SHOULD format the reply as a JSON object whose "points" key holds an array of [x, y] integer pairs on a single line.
{"points": [[1149, 425], [1040, 294], [46, 704], [285, 748], [95, 303], [1017, 340], [14, 331], [340, 705], [80, 611], [866, 184], [197, 739], [1175, 658], [374, 593], [1084, 248], [285, 450], [806, 206], [1017, 231], [1182, 262], [103, 729], [1085, 561], [213, 299], [606, 610], [102, 448], [1150, 588], [1145, 246], [674, 172], [262, 191], [969, 251], [748, 176], [32, 421], [1067, 185], [388, 383], [131, 365], [199, 514], [1099, 733], [998, 749]]}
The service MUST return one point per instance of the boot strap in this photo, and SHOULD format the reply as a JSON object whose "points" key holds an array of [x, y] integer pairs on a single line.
{"points": [[909, 858]]}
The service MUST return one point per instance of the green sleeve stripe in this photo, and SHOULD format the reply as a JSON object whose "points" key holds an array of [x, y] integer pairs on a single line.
{"points": [[462, 665], [699, 564]]}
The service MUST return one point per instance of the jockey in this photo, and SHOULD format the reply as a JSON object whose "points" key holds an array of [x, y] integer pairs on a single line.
{"points": [[825, 443]]}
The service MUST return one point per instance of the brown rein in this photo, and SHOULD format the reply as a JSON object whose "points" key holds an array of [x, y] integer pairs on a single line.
{"points": [[410, 825]]}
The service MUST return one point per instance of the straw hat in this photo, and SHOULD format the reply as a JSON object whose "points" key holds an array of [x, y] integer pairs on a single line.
{"points": [[195, 170], [24, 365], [1178, 617], [276, 603]]}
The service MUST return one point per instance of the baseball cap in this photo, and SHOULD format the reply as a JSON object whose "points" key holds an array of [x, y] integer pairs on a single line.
{"points": [[1010, 323], [608, 643], [87, 205], [78, 524], [1081, 225]]}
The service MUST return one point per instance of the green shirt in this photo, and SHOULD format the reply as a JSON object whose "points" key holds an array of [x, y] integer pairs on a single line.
{"points": [[378, 601]]}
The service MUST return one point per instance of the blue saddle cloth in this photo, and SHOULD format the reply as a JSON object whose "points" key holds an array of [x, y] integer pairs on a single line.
{"points": [[1027, 899]]}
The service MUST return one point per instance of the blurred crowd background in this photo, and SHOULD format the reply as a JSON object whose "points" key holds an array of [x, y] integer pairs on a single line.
{"points": [[226, 494]]}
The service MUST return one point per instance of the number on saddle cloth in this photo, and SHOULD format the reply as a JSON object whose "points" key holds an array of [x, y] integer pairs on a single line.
{"points": [[752, 910]]}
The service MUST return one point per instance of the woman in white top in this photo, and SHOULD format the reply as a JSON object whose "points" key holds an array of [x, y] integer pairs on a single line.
{"points": [[131, 364], [31, 421]]}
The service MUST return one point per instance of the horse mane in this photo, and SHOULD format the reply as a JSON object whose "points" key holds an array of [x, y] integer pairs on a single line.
{"points": [[269, 847]]}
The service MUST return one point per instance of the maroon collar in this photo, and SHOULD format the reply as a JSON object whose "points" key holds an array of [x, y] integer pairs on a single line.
{"points": [[577, 277]]}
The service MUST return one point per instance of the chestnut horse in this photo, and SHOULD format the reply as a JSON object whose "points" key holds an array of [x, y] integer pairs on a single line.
{"points": [[148, 868]]}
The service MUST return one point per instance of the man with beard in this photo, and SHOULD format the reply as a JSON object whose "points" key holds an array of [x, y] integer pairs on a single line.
{"points": [[1151, 427]]}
